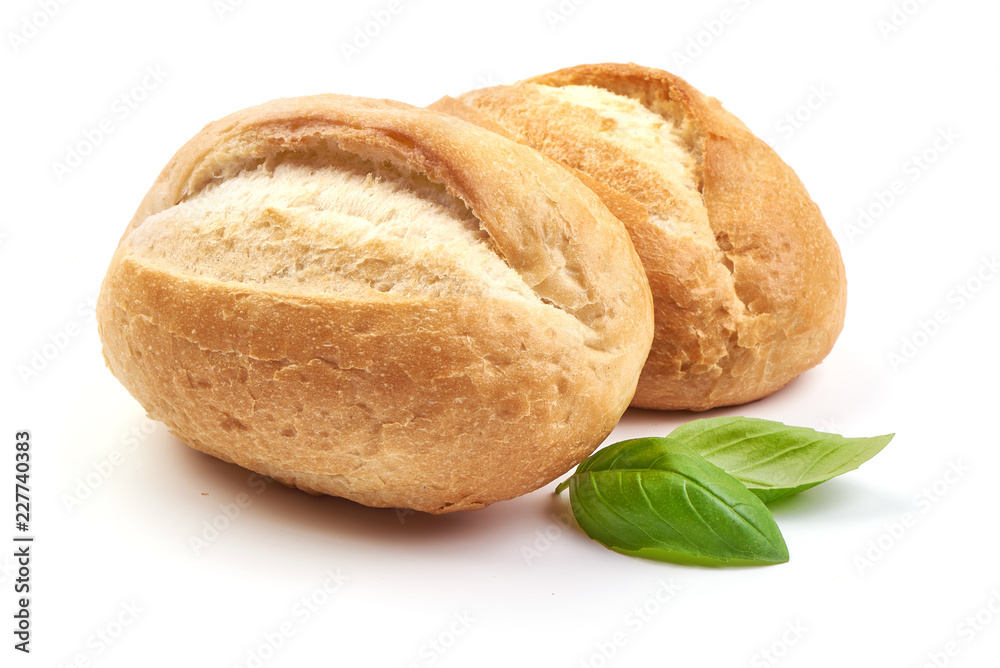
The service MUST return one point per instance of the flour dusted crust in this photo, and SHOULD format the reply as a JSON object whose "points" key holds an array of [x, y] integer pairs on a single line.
{"points": [[396, 375], [748, 283]]}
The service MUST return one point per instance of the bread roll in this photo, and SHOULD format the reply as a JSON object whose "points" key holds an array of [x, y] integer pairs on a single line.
{"points": [[375, 301], [748, 283]]}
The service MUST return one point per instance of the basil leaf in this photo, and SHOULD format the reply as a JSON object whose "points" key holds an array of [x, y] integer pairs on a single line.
{"points": [[772, 459], [657, 495]]}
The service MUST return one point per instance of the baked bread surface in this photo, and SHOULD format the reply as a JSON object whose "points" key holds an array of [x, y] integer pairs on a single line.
{"points": [[375, 301], [748, 283]]}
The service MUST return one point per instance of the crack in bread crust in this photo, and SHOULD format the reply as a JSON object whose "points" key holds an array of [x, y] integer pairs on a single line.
{"points": [[749, 288], [646, 157], [663, 169], [330, 229]]}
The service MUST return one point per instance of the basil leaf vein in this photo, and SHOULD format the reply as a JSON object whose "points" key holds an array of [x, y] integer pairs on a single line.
{"points": [[657, 495], [775, 460]]}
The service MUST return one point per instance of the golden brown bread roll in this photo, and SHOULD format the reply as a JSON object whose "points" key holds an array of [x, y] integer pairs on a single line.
{"points": [[748, 283], [366, 299]]}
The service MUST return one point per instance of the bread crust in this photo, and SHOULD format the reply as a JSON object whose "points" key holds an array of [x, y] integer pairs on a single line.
{"points": [[786, 302], [436, 404]]}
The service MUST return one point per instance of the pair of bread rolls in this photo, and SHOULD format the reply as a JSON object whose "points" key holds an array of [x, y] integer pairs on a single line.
{"points": [[389, 304]]}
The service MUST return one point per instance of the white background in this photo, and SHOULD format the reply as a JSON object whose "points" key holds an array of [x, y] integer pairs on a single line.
{"points": [[509, 585]]}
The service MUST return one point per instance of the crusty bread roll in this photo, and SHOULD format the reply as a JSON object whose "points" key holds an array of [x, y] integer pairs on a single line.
{"points": [[748, 283], [375, 301]]}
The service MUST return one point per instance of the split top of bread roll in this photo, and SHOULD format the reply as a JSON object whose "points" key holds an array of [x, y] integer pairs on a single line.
{"points": [[366, 299], [748, 284]]}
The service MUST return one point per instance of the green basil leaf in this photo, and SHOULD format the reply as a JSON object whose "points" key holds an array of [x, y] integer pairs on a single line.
{"points": [[657, 495], [772, 459]]}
